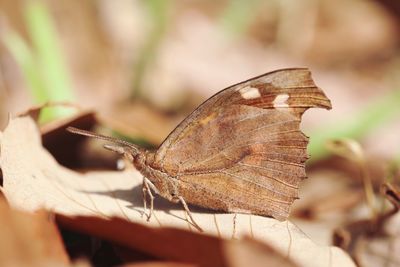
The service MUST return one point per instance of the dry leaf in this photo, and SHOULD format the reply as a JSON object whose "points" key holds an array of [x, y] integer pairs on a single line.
{"points": [[138, 120], [188, 247], [53, 132], [158, 264], [374, 241], [318, 206], [33, 180], [29, 239], [251, 253]]}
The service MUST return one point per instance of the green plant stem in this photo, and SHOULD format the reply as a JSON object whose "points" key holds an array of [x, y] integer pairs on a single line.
{"points": [[51, 66], [26, 61], [158, 11]]}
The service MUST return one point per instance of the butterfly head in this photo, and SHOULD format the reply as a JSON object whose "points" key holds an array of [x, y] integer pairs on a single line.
{"points": [[130, 152]]}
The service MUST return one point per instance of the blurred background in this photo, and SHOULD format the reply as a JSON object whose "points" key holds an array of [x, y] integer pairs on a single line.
{"points": [[129, 60], [142, 66]]}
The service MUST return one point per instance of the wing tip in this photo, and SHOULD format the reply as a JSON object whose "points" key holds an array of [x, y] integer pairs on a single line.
{"points": [[324, 102]]}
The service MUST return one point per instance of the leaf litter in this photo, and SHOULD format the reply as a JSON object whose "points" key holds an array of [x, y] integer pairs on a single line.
{"points": [[34, 180], [374, 241], [30, 239]]}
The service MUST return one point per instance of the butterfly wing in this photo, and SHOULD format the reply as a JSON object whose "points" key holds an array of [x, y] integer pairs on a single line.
{"points": [[242, 149]]}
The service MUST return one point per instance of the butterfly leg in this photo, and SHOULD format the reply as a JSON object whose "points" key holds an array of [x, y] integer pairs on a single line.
{"points": [[188, 213], [147, 187], [144, 192]]}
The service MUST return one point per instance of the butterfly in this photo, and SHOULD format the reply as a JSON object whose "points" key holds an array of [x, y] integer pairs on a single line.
{"points": [[240, 151]]}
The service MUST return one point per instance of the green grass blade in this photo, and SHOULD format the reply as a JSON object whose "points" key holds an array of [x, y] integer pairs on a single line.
{"points": [[157, 12], [26, 61], [49, 58]]}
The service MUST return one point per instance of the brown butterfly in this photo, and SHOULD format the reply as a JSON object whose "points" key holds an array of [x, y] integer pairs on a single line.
{"points": [[240, 151]]}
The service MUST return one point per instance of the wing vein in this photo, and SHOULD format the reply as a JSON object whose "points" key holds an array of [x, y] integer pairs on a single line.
{"points": [[258, 184], [275, 170], [278, 207], [284, 162], [238, 137]]}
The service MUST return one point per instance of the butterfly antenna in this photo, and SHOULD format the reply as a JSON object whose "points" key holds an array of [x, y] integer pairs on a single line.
{"points": [[101, 137]]}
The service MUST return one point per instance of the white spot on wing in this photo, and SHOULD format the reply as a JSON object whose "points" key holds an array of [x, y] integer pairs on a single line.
{"points": [[249, 92], [280, 101]]}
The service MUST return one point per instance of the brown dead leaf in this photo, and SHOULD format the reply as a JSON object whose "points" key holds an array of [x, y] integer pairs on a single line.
{"points": [[33, 180], [336, 201], [375, 167], [371, 245], [34, 112], [327, 200], [66, 151], [374, 242], [248, 252], [158, 264], [392, 193], [29, 239], [188, 247], [66, 148], [138, 120]]}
